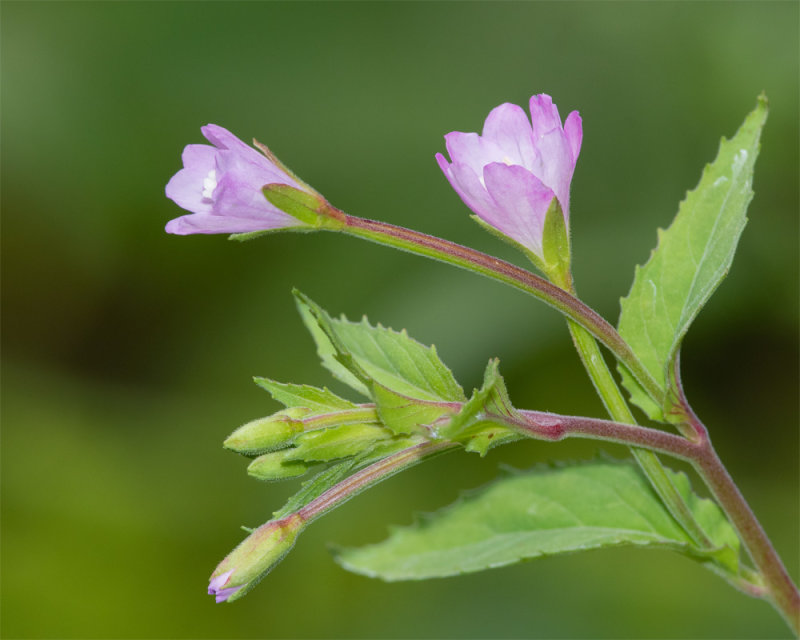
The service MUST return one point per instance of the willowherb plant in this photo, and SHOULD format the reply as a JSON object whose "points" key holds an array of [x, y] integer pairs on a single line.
{"points": [[516, 178]]}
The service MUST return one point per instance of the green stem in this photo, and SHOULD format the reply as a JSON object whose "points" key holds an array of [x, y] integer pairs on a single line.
{"points": [[502, 271], [618, 410], [370, 476]]}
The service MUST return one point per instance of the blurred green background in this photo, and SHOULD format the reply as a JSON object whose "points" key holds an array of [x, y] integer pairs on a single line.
{"points": [[127, 353]]}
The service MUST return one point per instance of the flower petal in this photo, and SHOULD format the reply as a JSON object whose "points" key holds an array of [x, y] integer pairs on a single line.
{"points": [[544, 115], [521, 203], [185, 188], [573, 130], [210, 223], [507, 127]]}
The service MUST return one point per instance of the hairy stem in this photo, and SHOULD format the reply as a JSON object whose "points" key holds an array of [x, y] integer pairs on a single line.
{"points": [[618, 409], [370, 476], [780, 589], [507, 273]]}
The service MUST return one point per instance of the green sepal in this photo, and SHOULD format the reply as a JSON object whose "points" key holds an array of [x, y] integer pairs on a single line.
{"points": [[278, 163], [277, 465], [336, 442], [405, 415], [359, 353], [308, 208], [556, 246], [690, 261]]}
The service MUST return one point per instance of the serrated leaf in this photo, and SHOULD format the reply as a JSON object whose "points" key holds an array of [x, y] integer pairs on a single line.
{"points": [[692, 257], [528, 515], [375, 353], [305, 396], [326, 350]]}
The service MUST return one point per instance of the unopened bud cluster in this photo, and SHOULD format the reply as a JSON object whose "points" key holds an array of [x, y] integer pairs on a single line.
{"points": [[288, 443]]}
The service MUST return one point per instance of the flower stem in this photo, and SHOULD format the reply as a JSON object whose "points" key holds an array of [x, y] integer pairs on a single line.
{"points": [[372, 475], [505, 272]]}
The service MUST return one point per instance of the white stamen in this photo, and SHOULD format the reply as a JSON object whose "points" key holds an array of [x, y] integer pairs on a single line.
{"points": [[209, 184], [508, 160]]}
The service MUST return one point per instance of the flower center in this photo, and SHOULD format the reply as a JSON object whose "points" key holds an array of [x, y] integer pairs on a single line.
{"points": [[209, 184]]}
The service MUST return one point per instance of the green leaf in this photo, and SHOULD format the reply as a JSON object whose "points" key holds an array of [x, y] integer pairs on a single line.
{"points": [[378, 354], [533, 514], [305, 396], [690, 261], [325, 348]]}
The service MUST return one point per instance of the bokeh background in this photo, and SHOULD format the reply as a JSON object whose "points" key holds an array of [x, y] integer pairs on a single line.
{"points": [[127, 353]]}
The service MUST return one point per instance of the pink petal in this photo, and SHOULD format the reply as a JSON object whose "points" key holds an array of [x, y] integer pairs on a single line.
{"points": [[521, 203], [507, 127], [185, 188], [544, 115], [573, 130]]}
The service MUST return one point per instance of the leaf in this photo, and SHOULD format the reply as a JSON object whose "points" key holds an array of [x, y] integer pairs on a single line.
{"points": [[325, 348], [528, 515], [388, 357], [305, 396], [692, 257]]}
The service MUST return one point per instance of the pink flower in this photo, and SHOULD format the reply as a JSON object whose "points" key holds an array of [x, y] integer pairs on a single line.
{"points": [[221, 186], [509, 175]]}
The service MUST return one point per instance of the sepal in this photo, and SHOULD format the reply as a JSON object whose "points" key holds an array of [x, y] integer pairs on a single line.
{"points": [[556, 247], [309, 208]]}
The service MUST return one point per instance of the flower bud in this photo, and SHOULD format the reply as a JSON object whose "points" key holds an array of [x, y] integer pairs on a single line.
{"points": [[221, 185], [267, 434], [277, 465], [264, 548], [511, 173]]}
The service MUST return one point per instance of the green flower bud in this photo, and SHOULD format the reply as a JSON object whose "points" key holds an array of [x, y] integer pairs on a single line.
{"points": [[267, 434], [277, 465], [242, 569]]}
